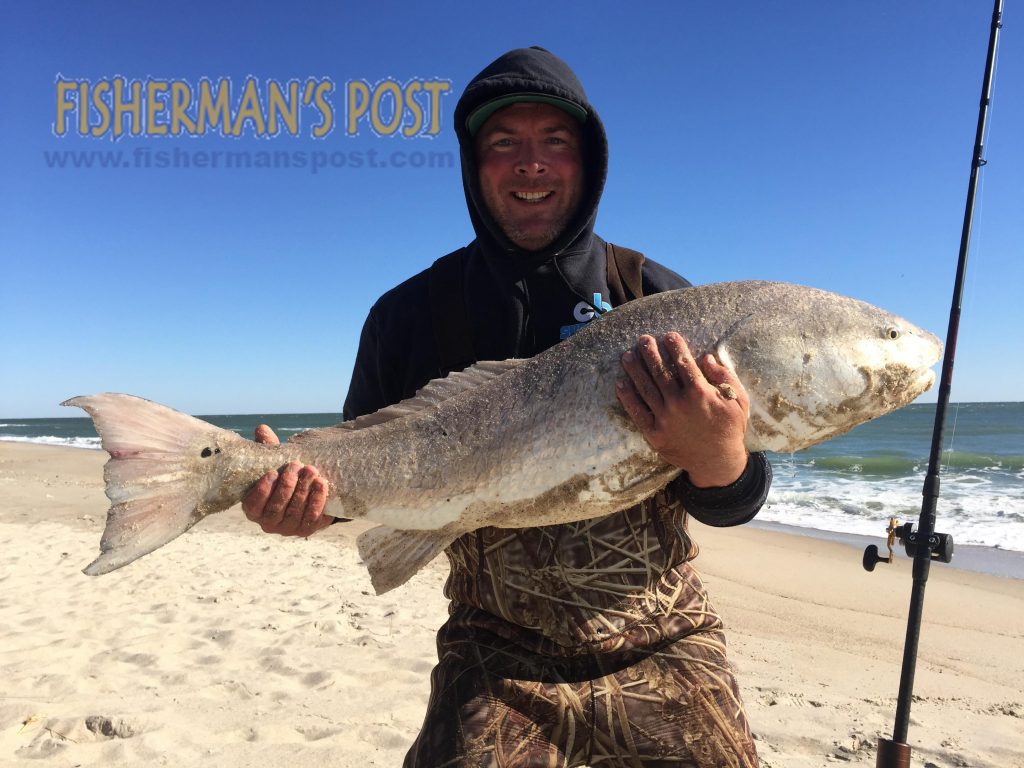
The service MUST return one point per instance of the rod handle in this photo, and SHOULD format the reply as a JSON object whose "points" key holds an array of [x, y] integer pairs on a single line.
{"points": [[892, 754]]}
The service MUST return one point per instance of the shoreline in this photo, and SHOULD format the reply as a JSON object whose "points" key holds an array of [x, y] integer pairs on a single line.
{"points": [[1007, 563], [234, 648]]}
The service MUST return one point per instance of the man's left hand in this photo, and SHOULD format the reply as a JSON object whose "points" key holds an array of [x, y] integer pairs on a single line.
{"points": [[692, 413], [289, 503]]}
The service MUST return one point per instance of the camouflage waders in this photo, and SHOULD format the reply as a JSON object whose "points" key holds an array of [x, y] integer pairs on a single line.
{"points": [[591, 643]]}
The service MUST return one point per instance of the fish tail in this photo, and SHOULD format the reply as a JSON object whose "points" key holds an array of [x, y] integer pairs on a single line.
{"points": [[160, 478], [392, 557]]}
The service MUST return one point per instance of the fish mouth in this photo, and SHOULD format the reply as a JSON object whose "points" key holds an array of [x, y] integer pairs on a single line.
{"points": [[898, 385], [932, 356], [924, 382]]}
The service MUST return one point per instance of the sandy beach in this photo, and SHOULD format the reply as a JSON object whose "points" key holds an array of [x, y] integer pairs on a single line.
{"points": [[231, 648]]}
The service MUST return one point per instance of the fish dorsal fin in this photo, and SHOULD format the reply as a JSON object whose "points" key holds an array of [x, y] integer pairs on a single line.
{"points": [[436, 391], [432, 394]]}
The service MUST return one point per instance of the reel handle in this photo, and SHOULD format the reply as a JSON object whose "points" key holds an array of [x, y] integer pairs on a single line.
{"points": [[872, 558]]}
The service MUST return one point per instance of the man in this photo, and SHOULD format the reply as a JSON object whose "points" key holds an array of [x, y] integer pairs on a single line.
{"points": [[591, 642]]}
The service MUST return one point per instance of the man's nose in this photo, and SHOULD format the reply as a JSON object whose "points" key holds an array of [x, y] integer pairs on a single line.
{"points": [[530, 161]]}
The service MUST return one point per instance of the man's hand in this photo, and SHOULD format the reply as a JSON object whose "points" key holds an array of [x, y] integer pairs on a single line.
{"points": [[289, 503], [694, 415]]}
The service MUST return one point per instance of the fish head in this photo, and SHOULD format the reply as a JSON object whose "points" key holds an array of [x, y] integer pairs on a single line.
{"points": [[818, 364]]}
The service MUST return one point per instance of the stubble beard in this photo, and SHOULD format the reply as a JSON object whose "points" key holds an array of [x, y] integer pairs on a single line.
{"points": [[530, 239]]}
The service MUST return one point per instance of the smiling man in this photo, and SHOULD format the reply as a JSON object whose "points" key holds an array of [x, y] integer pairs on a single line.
{"points": [[585, 643], [531, 177]]}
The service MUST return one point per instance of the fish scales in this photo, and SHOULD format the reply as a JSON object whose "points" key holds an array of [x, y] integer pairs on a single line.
{"points": [[522, 443]]}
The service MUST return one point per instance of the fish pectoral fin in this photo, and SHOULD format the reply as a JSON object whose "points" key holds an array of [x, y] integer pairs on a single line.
{"points": [[392, 557]]}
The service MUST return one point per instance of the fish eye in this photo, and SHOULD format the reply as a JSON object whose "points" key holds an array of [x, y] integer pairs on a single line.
{"points": [[892, 333]]}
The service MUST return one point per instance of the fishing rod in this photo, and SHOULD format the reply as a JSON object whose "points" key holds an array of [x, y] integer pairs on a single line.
{"points": [[924, 544]]}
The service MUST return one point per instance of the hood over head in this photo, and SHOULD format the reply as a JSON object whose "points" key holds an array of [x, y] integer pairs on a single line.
{"points": [[530, 74]]}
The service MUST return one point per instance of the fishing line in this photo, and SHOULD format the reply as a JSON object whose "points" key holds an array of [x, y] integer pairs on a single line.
{"points": [[925, 544], [979, 247], [971, 295], [952, 436]]}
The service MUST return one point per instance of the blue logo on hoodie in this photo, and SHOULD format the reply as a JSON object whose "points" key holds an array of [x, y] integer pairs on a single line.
{"points": [[584, 313]]}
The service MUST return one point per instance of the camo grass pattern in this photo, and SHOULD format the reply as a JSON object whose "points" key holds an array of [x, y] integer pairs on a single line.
{"points": [[592, 643]]}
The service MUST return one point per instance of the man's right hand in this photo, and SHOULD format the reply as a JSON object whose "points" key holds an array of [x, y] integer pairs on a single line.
{"points": [[290, 502]]}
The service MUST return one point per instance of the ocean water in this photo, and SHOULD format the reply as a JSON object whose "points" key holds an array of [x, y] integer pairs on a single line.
{"points": [[854, 483], [851, 484]]}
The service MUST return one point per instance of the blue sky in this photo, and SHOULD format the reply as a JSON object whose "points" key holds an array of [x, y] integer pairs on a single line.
{"points": [[821, 143]]}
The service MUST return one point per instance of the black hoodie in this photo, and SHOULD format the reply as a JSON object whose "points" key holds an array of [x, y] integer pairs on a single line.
{"points": [[532, 70], [518, 303]]}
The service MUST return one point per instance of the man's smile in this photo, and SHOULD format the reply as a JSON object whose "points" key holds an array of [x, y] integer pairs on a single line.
{"points": [[532, 197]]}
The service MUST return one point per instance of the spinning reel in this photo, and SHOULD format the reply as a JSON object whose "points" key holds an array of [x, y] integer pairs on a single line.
{"points": [[940, 545]]}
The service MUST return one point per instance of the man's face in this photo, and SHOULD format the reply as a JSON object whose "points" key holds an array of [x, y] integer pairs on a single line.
{"points": [[531, 171]]}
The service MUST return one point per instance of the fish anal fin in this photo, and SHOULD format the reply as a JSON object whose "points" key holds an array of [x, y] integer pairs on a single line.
{"points": [[392, 557]]}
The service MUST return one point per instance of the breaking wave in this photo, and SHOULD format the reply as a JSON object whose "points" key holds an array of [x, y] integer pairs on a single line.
{"points": [[92, 443]]}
